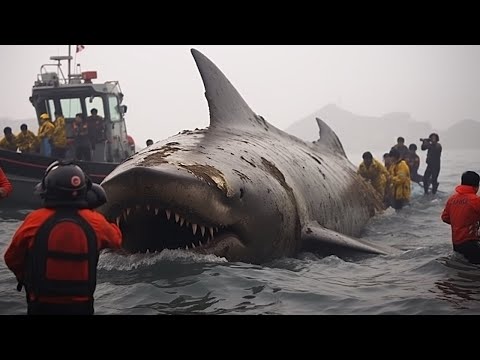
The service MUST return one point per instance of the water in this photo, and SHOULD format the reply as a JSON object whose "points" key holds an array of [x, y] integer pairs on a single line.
{"points": [[426, 278]]}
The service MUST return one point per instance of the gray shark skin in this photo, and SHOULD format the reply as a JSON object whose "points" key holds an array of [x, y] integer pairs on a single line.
{"points": [[241, 189]]}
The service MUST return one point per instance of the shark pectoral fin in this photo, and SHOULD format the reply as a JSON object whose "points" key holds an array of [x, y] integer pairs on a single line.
{"points": [[328, 242]]}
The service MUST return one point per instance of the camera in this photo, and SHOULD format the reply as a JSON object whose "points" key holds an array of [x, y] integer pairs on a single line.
{"points": [[427, 139]]}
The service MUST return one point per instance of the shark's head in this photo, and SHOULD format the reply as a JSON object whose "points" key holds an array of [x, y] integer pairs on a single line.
{"points": [[172, 207], [194, 191]]}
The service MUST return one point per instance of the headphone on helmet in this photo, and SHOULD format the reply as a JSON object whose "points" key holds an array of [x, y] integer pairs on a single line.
{"points": [[96, 196]]}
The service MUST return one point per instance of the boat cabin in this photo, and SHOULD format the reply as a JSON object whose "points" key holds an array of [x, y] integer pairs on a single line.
{"points": [[76, 93]]}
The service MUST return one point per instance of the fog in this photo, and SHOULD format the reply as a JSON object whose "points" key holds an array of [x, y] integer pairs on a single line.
{"points": [[164, 92]]}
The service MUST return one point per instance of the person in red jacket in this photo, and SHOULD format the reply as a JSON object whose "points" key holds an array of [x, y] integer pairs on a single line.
{"points": [[54, 253], [462, 212], [5, 185]]}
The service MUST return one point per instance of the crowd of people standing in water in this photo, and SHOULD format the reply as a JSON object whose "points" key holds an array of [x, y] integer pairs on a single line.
{"points": [[392, 179]]}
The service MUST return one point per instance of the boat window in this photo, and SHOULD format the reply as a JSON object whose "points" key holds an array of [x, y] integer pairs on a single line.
{"points": [[114, 108], [51, 106], [70, 107], [95, 103]]}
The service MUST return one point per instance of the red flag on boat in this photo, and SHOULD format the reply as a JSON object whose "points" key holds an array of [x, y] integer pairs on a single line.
{"points": [[80, 48]]}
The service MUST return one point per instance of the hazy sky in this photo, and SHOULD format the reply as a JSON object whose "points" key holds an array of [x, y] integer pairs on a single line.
{"points": [[164, 92]]}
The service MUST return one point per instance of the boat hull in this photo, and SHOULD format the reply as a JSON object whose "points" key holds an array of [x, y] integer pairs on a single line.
{"points": [[26, 170]]}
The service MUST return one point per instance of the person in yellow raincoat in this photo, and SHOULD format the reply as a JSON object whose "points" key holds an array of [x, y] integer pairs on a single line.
{"points": [[400, 180], [373, 170], [45, 132], [59, 137], [9, 142], [26, 140]]}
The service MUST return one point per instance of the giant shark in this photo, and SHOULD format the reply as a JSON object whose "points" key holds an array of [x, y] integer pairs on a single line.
{"points": [[241, 189]]}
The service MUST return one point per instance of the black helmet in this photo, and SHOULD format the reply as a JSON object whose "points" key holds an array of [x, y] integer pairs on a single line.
{"points": [[64, 183]]}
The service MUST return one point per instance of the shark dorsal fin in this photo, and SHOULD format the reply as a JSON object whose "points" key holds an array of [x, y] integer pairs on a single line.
{"points": [[328, 138], [226, 105]]}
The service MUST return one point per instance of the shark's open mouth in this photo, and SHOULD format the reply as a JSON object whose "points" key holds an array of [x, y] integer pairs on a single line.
{"points": [[150, 228]]}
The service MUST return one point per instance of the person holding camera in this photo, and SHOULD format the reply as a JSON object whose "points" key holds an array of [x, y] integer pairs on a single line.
{"points": [[433, 162]]}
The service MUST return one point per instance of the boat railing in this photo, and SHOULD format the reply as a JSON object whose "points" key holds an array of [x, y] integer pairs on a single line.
{"points": [[47, 77]]}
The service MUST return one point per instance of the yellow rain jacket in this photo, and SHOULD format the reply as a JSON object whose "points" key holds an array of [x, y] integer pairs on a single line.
{"points": [[376, 173], [9, 145], [45, 130], [59, 137], [27, 142], [400, 179]]}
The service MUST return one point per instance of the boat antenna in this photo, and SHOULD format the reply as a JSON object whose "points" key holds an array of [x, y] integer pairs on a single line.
{"points": [[69, 61], [75, 61]]}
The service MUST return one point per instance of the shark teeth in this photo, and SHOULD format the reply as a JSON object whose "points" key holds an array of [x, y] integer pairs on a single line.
{"points": [[202, 234]]}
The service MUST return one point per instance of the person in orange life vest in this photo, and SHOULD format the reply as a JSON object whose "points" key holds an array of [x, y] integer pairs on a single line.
{"points": [[54, 253], [5, 185], [462, 212]]}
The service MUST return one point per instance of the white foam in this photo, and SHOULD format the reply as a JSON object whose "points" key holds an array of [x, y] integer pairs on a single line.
{"points": [[115, 261], [416, 190]]}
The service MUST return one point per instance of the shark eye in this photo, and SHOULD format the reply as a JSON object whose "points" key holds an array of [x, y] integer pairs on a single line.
{"points": [[241, 192]]}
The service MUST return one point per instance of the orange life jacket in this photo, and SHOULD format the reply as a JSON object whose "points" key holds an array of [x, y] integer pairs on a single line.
{"points": [[63, 259]]}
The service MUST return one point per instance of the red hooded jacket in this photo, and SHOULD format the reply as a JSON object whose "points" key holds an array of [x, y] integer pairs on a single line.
{"points": [[462, 212]]}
